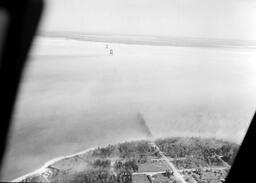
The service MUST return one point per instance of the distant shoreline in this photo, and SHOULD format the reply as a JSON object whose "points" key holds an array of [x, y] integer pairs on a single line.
{"points": [[154, 40]]}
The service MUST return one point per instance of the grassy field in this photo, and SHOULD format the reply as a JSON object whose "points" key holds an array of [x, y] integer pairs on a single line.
{"points": [[153, 166]]}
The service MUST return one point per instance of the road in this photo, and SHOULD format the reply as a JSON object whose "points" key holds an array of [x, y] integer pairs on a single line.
{"points": [[206, 168], [176, 173], [150, 137], [148, 173], [224, 162]]}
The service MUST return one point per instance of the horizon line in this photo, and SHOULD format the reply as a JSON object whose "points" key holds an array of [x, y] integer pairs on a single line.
{"points": [[154, 40]]}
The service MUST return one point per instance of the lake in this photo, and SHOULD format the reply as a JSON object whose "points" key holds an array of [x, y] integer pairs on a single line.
{"points": [[75, 95]]}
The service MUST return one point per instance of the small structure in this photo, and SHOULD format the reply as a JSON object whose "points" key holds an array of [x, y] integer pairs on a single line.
{"points": [[168, 173], [111, 51], [106, 46]]}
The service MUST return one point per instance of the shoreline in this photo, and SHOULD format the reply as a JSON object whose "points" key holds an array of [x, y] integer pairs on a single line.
{"points": [[54, 160], [153, 40], [50, 162]]}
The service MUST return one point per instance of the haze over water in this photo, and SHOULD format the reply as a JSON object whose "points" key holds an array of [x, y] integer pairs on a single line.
{"points": [[75, 95]]}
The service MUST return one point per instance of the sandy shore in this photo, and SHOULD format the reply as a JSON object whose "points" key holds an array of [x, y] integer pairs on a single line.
{"points": [[51, 162]]}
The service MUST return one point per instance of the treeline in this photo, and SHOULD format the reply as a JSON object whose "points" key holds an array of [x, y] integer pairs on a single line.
{"points": [[206, 149], [203, 150], [96, 175], [130, 165], [137, 150], [127, 166], [124, 150]]}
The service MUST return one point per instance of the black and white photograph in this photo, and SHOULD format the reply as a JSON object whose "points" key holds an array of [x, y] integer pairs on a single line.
{"points": [[134, 91]]}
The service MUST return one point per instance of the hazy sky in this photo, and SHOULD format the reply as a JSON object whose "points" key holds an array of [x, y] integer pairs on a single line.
{"points": [[235, 19]]}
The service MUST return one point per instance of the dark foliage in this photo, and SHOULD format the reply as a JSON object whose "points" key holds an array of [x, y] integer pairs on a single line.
{"points": [[91, 176], [101, 163], [129, 165]]}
